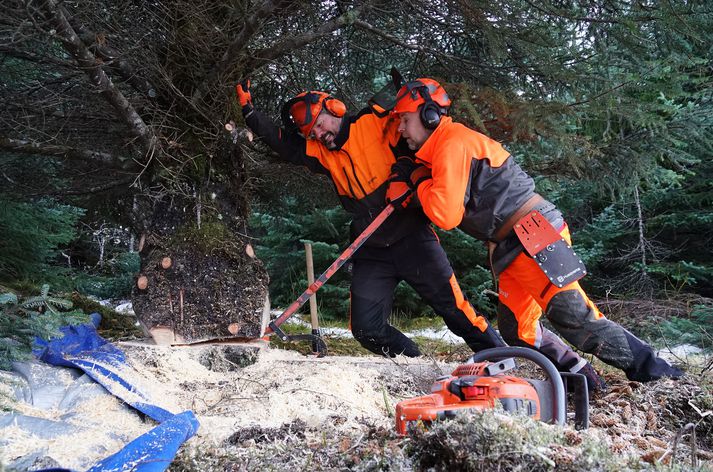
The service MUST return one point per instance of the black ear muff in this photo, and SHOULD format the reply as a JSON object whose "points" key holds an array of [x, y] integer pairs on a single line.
{"points": [[430, 115]]}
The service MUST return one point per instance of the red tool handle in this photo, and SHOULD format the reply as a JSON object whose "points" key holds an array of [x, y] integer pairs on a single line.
{"points": [[348, 252]]}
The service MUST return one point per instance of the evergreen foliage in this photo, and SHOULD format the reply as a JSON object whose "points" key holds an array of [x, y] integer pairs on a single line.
{"points": [[695, 329], [23, 319], [33, 234], [609, 104], [281, 247], [114, 280]]}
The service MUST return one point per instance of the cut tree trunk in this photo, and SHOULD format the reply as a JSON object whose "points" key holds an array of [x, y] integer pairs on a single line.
{"points": [[212, 289], [201, 297]]}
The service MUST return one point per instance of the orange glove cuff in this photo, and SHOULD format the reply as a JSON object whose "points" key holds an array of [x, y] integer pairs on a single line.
{"points": [[418, 175], [243, 91]]}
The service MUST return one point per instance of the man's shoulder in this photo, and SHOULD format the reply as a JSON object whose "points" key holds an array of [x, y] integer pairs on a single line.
{"points": [[368, 122], [364, 116]]}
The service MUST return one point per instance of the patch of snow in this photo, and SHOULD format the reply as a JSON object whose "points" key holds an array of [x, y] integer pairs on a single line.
{"points": [[682, 352], [442, 334], [126, 308]]}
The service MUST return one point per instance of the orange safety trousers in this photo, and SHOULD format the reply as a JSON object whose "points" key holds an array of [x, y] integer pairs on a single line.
{"points": [[526, 292]]}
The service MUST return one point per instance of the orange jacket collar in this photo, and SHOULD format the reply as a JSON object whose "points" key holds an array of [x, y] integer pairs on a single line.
{"points": [[425, 154]]}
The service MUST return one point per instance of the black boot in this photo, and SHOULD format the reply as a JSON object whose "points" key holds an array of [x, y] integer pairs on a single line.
{"points": [[646, 366], [390, 345]]}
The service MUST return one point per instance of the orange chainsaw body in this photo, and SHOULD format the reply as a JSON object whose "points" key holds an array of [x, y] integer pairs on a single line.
{"points": [[468, 387]]}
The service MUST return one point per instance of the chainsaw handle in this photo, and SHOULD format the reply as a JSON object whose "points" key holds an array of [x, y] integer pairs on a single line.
{"points": [[558, 399]]}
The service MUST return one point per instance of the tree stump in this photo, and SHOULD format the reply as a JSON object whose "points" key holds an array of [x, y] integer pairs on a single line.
{"points": [[199, 284]]}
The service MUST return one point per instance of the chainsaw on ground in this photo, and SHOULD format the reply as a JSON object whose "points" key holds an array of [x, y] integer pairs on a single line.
{"points": [[480, 385]]}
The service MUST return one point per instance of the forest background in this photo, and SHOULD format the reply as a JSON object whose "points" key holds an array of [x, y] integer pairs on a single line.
{"points": [[113, 111]]}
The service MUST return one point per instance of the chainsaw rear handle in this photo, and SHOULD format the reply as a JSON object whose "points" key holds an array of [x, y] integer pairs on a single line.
{"points": [[559, 412]]}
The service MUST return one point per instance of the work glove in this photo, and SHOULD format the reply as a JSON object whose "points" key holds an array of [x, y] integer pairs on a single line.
{"points": [[595, 383], [399, 192], [243, 90], [487, 339], [411, 172]]}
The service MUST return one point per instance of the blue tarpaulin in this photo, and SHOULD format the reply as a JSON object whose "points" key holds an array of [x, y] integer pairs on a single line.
{"points": [[82, 348]]}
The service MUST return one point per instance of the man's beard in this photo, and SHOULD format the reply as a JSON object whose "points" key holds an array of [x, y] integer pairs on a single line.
{"points": [[328, 141]]}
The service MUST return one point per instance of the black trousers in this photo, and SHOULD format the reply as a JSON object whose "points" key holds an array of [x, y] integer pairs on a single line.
{"points": [[419, 260]]}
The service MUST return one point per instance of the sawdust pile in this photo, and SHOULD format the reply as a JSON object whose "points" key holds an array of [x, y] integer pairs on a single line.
{"points": [[279, 388], [96, 428], [276, 409]]}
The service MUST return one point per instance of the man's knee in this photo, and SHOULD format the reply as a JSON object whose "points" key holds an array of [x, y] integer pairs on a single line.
{"points": [[577, 321], [569, 310]]}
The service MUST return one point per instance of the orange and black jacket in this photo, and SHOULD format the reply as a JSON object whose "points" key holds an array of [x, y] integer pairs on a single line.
{"points": [[476, 186], [359, 168]]}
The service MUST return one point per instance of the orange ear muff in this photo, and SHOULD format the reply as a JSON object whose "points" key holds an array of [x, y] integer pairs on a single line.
{"points": [[335, 107]]}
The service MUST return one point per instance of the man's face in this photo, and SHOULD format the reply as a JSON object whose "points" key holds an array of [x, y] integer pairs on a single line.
{"points": [[413, 130], [325, 129]]}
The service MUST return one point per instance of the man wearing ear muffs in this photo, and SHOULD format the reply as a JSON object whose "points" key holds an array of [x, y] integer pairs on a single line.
{"points": [[465, 179], [356, 152]]}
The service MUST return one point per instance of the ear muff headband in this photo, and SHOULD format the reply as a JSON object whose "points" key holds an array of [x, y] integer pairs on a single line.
{"points": [[430, 113]]}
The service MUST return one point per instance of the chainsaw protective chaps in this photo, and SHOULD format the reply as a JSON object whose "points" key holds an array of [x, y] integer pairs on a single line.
{"points": [[646, 366], [610, 342], [524, 292], [583, 326]]}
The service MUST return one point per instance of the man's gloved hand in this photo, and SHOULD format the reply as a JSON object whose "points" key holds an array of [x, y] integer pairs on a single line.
{"points": [[410, 171], [419, 175], [243, 90], [399, 192], [595, 383]]}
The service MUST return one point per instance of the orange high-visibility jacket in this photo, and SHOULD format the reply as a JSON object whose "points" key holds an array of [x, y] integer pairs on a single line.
{"points": [[359, 169], [476, 183]]}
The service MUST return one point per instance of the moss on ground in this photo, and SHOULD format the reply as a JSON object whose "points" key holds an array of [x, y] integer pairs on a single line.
{"points": [[348, 346], [473, 441], [113, 325]]}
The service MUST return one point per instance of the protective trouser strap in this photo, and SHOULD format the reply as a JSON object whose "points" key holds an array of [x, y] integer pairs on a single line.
{"points": [[491, 249]]}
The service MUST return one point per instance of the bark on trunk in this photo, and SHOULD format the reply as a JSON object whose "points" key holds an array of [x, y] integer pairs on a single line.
{"points": [[91, 66]]}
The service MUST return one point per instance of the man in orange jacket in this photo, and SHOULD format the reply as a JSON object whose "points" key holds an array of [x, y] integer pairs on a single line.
{"points": [[356, 153], [465, 179]]}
